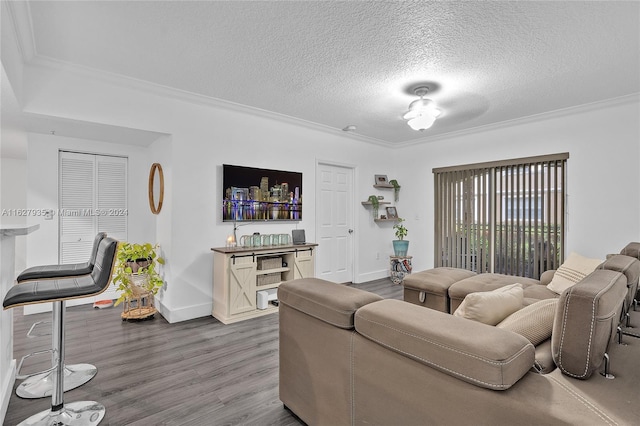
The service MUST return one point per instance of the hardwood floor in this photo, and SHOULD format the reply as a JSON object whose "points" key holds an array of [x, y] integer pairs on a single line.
{"points": [[197, 372]]}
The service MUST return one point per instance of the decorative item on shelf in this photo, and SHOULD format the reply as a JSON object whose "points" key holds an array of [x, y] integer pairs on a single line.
{"points": [[396, 189], [400, 246], [231, 241], [392, 213], [381, 180], [375, 203], [137, 279]]}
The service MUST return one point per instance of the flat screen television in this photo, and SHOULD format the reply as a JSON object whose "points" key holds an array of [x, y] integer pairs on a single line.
{"points": [[252, 194]]}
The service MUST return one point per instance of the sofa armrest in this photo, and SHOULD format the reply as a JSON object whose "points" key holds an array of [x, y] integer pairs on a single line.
{"points": [[477, 353], [332, 303], [586, 321]]}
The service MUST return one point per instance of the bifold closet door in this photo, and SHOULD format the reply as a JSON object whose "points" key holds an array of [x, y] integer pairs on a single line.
{"points": [[92, 198]]}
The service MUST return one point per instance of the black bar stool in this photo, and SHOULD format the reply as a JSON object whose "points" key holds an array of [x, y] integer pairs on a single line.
{"points": [[39, 385], [39, 273], [59, 291]]}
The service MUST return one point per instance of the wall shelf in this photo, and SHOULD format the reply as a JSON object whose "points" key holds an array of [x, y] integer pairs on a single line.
{"points": [[368, 203]]}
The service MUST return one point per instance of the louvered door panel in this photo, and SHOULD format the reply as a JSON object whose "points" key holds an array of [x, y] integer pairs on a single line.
{"points": [[111, 196], [76, 206]]}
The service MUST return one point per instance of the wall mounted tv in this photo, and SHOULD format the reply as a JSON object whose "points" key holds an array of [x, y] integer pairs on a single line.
{"points": [[251, 194]]}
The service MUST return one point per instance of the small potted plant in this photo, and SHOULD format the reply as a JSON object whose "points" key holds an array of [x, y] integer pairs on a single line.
{"points": [[400, 246], [137, 278], [375, 203], [396, 189]]}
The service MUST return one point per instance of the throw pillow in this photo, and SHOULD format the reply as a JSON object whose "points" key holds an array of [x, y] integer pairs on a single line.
{"points": [[491, 307], [535, 322], [572, 271]]}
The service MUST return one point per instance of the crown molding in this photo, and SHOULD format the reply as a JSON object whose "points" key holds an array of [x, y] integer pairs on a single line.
{"points": [[198, 99], [20, 14], [190, 97], [548, 115]]}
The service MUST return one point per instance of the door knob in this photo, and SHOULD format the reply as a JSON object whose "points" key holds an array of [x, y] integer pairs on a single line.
{"points": [[351, 231]]}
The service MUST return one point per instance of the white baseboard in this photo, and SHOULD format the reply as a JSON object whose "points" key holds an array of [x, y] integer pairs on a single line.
{"points": [[370, 276], [171, 315], [47, 307], [7, 389]]}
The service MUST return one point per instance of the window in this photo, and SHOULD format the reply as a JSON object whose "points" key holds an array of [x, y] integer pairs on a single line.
{"points": [[505, 217]]}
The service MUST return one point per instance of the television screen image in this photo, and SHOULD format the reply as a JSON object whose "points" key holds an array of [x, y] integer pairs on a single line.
{"points": [[253, 194]]}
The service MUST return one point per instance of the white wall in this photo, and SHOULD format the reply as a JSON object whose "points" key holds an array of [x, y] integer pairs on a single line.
{"points": [[603, 142], [42, 187], [160, 152], [203, 137], [42, 193], [13, 188]]}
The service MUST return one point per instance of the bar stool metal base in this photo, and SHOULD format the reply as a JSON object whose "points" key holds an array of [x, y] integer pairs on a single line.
{"points": [[41, 385], [80, 413]]}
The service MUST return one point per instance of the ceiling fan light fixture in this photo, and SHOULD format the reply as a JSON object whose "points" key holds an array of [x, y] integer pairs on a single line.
{"points": [[422, 112], [421, 122]]}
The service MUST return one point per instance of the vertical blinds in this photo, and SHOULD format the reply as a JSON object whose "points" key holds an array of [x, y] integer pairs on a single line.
{"points": [[505, 217]]}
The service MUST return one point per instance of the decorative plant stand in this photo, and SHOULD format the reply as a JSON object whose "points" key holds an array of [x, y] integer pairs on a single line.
{"points": [[141, 305], [399, 267]]}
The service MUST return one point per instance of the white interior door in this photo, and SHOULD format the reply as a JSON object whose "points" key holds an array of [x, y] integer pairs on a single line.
{"points": [[334, 222]]}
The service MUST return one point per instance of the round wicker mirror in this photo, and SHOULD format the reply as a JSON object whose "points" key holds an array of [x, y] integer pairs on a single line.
{"points": [[156, 188]]}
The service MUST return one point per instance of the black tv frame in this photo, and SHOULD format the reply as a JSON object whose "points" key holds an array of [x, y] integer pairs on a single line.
{"points": [[241, 186]]}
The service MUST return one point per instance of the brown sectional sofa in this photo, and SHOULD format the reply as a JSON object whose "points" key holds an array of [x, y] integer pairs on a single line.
{"points": [[445, 288], [348, 357]]}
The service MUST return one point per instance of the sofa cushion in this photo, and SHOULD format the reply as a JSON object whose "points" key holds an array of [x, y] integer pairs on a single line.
{"points": [[586, 322], [572, 271], [485, 356], [628, 265], [430, 288], [330, 302], [544, 359], [490, 281], [631, 249], [535, 322], [436, 280], [491, 307]]}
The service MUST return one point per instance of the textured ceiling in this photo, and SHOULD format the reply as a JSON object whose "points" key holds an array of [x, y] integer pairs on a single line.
{"points": [[340, 63]]}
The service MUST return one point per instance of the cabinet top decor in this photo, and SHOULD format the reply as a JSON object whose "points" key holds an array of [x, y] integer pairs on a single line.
{"points": [[262, 249]]}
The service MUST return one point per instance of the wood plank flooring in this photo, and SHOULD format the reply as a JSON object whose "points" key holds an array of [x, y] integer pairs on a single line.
{"points": [[198, 372]]}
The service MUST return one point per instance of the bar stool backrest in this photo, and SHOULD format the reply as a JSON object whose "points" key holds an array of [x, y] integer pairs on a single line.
{"points": [[94, 250], [105, 261]]}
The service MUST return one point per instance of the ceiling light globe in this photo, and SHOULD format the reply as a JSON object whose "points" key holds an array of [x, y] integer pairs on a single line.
{"points": [[422, 122]]}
